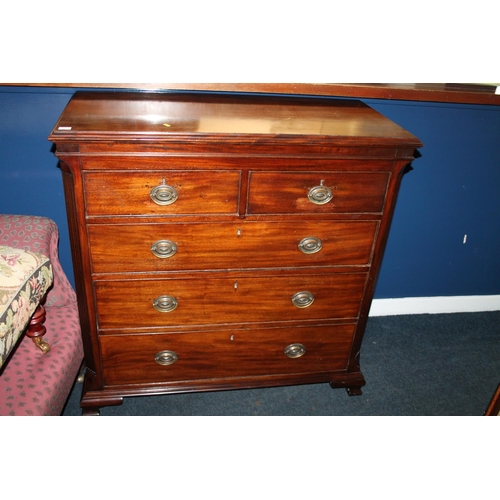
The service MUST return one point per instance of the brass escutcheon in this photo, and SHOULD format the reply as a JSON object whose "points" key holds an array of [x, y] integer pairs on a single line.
{"points": [[320, 195], [163, 249], [302, 299], [166, 358], [295, 350], [165, 303], [164, 194], [310, 245]]}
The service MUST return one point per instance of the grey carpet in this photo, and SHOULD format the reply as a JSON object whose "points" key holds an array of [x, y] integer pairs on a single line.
{"points": [[440, 364]]}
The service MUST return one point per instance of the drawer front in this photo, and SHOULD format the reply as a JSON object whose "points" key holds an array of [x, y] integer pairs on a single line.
{"points": [[130, 359], [166, 247], [157, 193], [215, 300], [317, 192]]}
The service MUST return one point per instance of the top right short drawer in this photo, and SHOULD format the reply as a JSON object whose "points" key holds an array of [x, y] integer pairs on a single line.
{"points": [[317, 192]]}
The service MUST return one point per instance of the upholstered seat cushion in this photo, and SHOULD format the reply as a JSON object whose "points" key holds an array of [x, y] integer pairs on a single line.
{"points": [[33, 382], [25, 278]]}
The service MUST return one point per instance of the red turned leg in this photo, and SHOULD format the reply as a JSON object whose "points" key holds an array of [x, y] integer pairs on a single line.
{"points": [[36, 330]]}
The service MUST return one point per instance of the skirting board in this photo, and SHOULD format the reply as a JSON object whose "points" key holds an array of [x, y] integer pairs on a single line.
{"points": [[435, 305]]}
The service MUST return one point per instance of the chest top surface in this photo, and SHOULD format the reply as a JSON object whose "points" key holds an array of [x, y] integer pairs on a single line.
{"points": [[173, 116]]}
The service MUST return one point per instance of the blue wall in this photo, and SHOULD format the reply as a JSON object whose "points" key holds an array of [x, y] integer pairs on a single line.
{"points": [[30, 180], [452, 191]]}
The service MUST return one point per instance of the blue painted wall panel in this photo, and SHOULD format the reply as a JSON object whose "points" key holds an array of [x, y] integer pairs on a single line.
{"points": [[452, 191], [30, 180]]}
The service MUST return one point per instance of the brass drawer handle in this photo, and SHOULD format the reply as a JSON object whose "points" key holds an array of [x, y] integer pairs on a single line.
{"points": [[302, 299], [295, 350], [164, 194], [166, 358], [163, 249], [320, 195], [165, 303], [310, 245]]}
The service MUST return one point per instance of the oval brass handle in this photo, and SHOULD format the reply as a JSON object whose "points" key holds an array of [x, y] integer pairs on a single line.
{"points": [[165, 303], [295, 350], [310, 245], [164, 249], [166, 358], [320, 195], [164, 194], [302, 299]]}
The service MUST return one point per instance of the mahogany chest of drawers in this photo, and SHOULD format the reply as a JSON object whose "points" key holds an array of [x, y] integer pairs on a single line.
{"points": [[224, 241]]}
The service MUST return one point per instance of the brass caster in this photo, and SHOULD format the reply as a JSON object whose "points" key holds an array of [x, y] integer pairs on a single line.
{"points": [[41, 344]]}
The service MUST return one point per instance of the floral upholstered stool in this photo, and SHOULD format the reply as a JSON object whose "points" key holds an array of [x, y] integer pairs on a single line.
{"points": [[40, 344], [25, 278]]}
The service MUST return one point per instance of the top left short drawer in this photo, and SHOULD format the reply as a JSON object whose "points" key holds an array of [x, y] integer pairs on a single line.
{"points": [[152, 192]]}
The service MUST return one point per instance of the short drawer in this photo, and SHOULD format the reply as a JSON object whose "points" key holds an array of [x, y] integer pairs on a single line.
{"points": [[317, 192], [184, 246], [157, 193], [210, 299], [132, 359]]}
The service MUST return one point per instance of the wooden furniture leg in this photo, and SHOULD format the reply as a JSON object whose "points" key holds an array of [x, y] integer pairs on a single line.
{"points": [[36, 330], [493, 409]]}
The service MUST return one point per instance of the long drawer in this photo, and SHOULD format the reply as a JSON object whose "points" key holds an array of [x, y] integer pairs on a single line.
{"points": [[317, 192], [161, 193], [211, 299], [132, 359], [166, 247]]}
